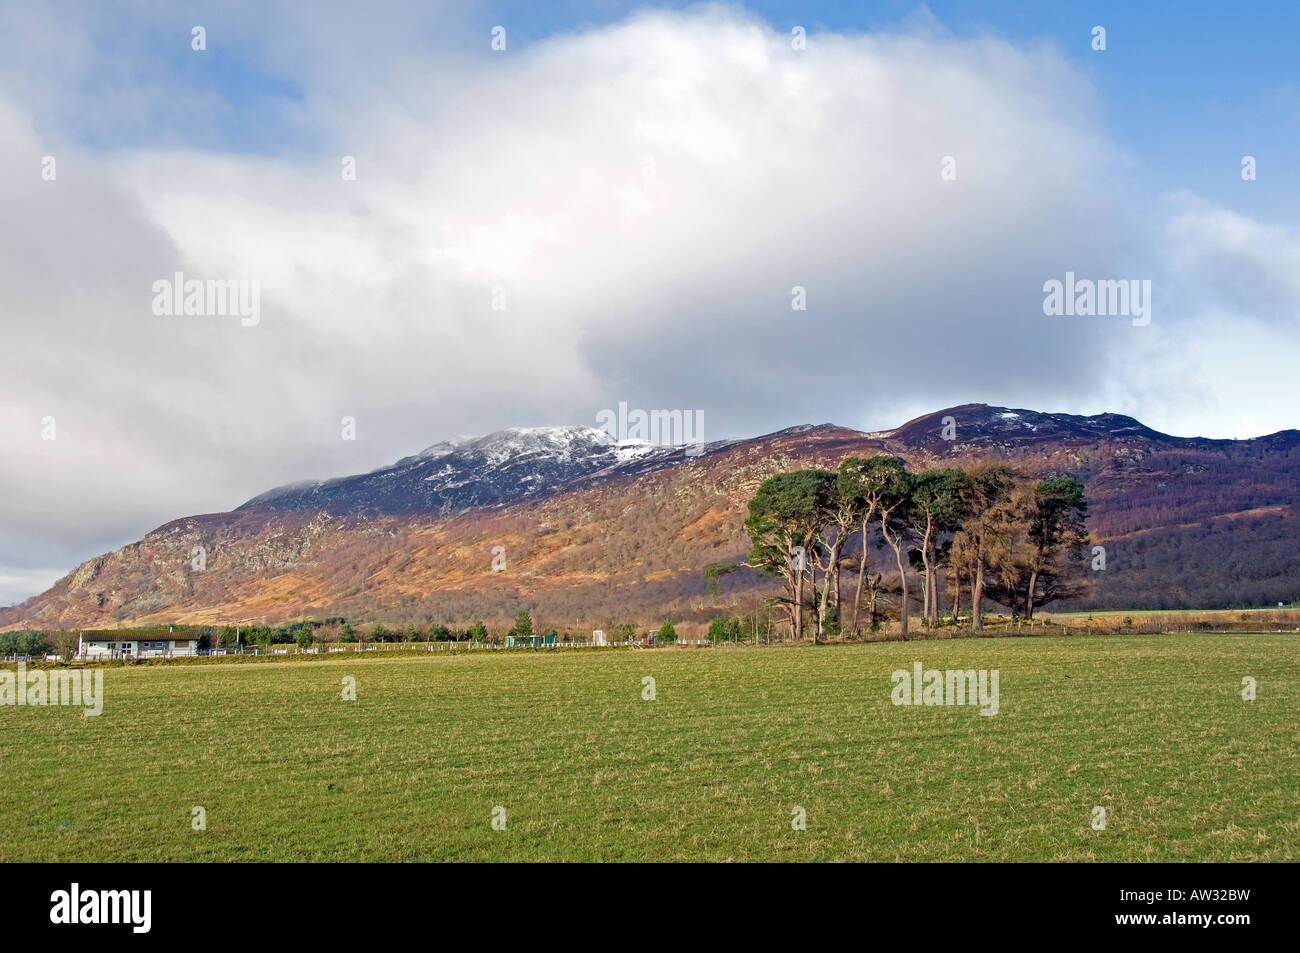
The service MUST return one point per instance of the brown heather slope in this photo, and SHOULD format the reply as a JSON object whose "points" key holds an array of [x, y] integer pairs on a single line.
{"points": [[1186, 522]]}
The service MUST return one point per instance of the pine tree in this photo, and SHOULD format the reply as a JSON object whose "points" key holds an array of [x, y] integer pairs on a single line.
{"points": [[523, 625]]}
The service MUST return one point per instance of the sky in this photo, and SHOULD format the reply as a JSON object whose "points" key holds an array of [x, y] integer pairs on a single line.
{"points": [[616, 207]]}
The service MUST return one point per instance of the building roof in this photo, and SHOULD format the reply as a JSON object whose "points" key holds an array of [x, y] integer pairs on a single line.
{"points": [[93, 639]]}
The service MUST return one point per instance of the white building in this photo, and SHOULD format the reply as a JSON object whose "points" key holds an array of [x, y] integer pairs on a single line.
{"points": [[126, 645]]}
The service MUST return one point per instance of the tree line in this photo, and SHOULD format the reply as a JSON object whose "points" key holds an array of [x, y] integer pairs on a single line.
{"points": [[30, 643], [309, 632], [986, 529]]}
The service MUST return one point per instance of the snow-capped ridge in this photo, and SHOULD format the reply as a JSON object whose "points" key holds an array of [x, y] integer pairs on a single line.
{"points": [[485, 470]]}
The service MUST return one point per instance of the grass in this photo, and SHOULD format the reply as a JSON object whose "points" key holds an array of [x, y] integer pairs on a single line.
{"points": [[1153, 728], [1286, 613]]}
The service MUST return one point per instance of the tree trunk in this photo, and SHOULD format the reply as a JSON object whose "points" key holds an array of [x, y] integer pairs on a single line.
{"points": [[956, 593], [933, 572], [925, 596], [831, 567], [1029, 599], [796, 621], [902, 575], [839, 620], [817, 603], [862, 572], [930, 594], [977, 596], [897, 547]]}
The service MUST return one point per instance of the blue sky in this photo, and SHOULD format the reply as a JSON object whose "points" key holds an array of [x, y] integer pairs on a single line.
{"points": [[1186, 88]]}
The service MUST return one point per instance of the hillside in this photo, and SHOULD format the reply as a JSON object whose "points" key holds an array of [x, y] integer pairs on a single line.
{"points": [[596, 531]]}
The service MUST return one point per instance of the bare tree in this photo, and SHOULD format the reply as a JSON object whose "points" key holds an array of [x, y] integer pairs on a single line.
{"points": [[867, 483]]}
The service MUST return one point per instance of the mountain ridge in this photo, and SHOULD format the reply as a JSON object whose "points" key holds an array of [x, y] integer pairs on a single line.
{"points": [[640, 521]]}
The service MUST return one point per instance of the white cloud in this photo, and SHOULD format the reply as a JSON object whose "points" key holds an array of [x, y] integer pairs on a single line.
{"points": [[1220, 357]]}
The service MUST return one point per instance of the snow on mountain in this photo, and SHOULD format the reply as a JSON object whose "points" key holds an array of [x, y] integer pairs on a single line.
{"points": [[521, 463], [492, 469]]}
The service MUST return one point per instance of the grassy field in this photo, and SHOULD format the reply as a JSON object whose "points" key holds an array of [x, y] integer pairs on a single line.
{"points": [[1153, 728], [1287, 614]]}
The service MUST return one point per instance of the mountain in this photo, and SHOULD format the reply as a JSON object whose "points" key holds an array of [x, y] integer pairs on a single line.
{"points": [[454, 476], [595, 531]]}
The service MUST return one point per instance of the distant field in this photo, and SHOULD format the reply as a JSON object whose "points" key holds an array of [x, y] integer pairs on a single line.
{"points": [[1153, 728], [1287, 613]]}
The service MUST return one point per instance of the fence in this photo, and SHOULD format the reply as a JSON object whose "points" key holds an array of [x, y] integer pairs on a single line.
{"points": [[890, 631], [354, 647]]}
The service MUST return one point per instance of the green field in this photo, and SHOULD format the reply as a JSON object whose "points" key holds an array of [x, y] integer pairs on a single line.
{"points": [[1153, 728]]}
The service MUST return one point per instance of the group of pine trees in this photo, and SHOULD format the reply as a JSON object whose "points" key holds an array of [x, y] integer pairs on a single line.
{"points": [[986, 530]]}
